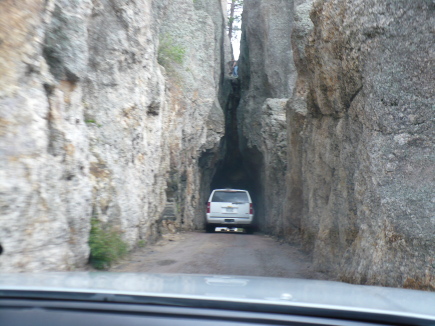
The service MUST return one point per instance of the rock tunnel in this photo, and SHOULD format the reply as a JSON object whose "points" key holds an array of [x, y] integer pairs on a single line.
{"points": [[239, 167]]}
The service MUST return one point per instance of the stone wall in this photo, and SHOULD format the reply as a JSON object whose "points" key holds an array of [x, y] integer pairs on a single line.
{"points": [[92, 125], [356, 79]]}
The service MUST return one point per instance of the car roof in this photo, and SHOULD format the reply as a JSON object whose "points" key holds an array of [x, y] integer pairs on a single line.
{"points": [[230, 190]]}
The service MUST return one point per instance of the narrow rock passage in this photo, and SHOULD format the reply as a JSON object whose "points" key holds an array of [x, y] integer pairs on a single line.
{"points": [[220, 253]]}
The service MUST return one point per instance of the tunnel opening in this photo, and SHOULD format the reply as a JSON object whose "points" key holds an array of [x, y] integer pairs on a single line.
{"points": [[241, 166], [235, 165]]}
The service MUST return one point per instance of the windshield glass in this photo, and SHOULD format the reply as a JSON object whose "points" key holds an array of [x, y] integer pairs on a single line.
{"points": [[313, 119]]}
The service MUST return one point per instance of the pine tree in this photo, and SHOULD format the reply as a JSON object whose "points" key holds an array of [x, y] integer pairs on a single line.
{"points": [[234, 15]]}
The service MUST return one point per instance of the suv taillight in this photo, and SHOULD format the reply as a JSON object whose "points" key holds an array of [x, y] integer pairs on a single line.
{"points": [[208, 207], [251, 209]]}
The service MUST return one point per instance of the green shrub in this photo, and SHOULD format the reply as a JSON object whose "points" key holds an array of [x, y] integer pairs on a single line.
{"points": [[106, 245], [169, 52]]}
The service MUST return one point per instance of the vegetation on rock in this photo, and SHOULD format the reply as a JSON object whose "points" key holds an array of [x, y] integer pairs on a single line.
{"points": [[234, 13], [170, 52], [106, 245]]}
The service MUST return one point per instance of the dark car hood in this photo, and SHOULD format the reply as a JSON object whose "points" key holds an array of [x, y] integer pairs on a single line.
{"points": [[269, 291]]}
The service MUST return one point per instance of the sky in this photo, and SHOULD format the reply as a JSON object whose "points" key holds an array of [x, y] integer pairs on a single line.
{"points": [[236, 45], [236, 35]]}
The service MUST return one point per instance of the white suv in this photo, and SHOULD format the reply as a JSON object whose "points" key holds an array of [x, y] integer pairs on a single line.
{"points": [[229, 208]]}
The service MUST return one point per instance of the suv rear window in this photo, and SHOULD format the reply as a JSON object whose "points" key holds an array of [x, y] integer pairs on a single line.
{"points": [[230, 197]]}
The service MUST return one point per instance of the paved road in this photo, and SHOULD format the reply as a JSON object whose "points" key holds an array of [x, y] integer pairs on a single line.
{"points": [[222, 254]]}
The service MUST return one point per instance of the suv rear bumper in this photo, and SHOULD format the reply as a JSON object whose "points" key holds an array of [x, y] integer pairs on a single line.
{"points": [[229, 221]]}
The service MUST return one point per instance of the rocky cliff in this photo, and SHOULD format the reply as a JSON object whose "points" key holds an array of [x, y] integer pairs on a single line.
{"points": [[106, 109], [267, 74], [369, 156], [115, 111], [360, 132]]}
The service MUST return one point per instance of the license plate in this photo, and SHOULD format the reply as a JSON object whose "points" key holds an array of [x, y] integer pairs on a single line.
{"points": [[229, 220]]}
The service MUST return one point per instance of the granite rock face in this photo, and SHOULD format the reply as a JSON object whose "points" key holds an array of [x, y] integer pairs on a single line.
{"points": [[91, 125], [267, 74], [370, 141], [357, 149]]}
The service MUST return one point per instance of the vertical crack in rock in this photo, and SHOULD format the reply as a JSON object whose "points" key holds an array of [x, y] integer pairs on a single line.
{"points": [[231, 171], [51, 131]]}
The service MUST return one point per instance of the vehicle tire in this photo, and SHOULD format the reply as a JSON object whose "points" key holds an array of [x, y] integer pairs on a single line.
{"points": [[209, 228], [249, 230]]}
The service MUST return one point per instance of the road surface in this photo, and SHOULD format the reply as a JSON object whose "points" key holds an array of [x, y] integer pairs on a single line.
{"points": [[220, 254]]}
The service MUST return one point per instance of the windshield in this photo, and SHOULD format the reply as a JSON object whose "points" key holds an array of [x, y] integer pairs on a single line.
{"points": [[314, 120]]}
